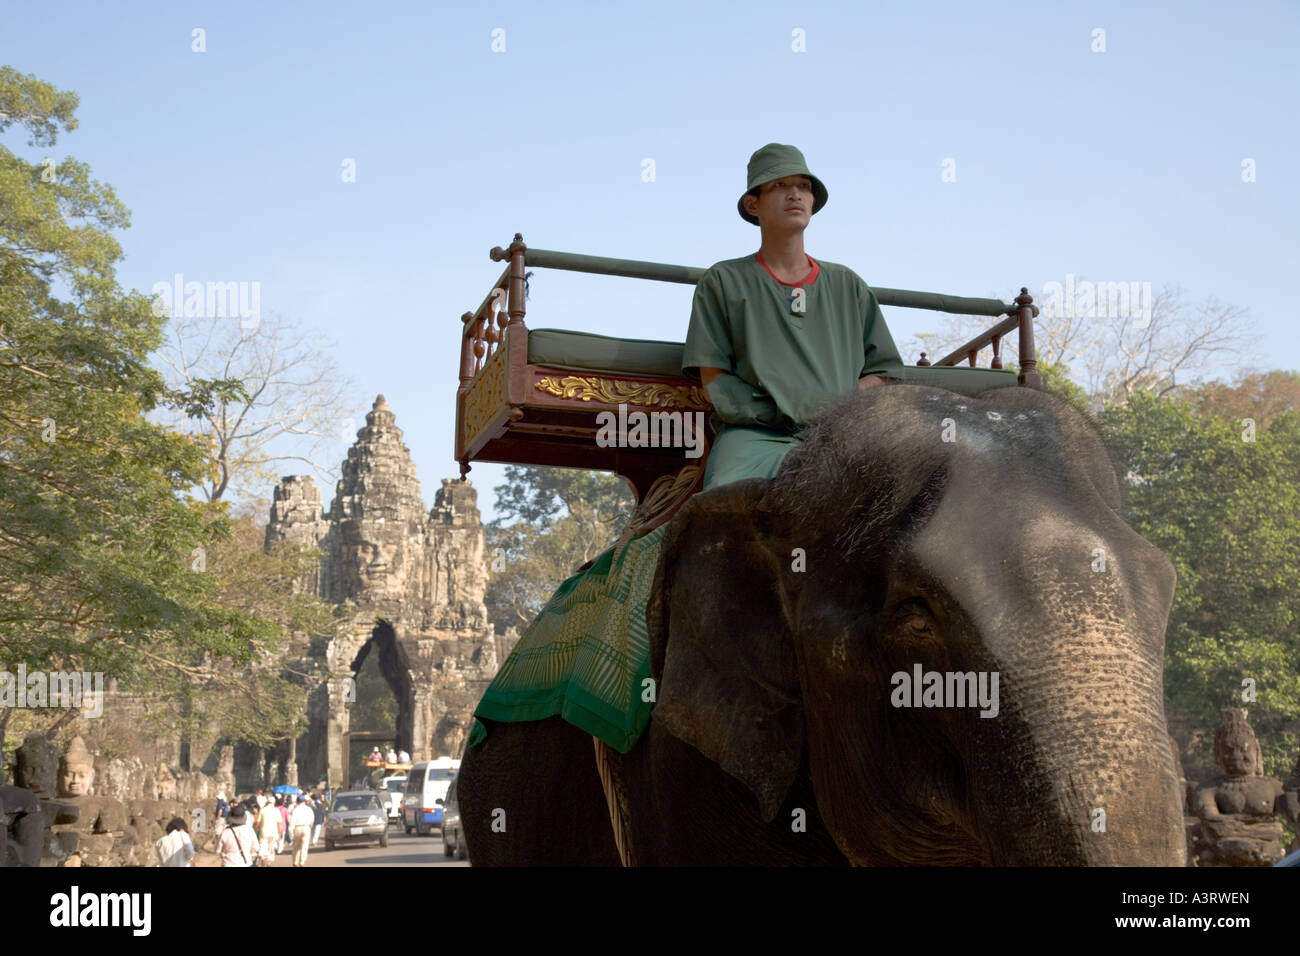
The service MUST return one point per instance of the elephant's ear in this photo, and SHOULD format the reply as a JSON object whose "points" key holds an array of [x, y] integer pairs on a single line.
{"points": [[721, 647]]}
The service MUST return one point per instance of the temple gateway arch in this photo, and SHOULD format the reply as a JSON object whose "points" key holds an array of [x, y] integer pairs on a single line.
{"points": [[411, 583]]}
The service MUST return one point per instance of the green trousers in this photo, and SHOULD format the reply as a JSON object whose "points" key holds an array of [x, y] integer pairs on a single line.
{"points": [[741, 452]]}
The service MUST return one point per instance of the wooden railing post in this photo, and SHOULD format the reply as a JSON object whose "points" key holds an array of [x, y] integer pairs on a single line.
{"points": [[1027, 312], [466, 355], [516, 302]]}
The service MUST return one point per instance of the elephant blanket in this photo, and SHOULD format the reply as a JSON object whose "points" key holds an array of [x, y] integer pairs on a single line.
{"points": [[586, 657]]}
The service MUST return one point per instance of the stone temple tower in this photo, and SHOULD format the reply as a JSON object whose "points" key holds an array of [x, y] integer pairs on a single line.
{"points": [[412, 585]]}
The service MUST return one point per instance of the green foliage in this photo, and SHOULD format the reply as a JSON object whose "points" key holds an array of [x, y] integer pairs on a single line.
{"points": [[263, 698], [539, 496], [1056, 379], [36, 105], [1226, 510], [550, 522], [99, 543], [376, 705]]}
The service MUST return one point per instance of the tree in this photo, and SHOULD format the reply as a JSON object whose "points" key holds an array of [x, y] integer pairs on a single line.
{"points": [[292, 390], [550, 522], [264, 699], [376, 706], [1224, 505], [96, 530], [1259, 396]]}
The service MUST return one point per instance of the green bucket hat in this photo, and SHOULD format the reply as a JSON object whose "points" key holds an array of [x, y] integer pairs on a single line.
{"points": [[774, 161]]}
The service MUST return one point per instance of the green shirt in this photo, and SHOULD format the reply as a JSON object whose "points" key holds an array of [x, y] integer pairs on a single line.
{"points": [[785, 364]]}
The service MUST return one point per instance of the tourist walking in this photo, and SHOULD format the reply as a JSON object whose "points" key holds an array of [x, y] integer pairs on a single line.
{"points": [[237, 843], [282, 804], [301, 821], [176, 848], [268, 829], [318, 813]]}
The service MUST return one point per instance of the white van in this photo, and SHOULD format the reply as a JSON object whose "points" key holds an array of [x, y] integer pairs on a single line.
{"points": [[426, 790], [391, 791]]}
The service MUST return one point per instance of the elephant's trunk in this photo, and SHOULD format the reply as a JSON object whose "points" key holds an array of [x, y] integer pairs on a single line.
{"points": [[1094, 779], [1072, 617]]}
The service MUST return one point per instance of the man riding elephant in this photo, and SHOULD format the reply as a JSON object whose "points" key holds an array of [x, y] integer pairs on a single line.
{"points": [[773, 336], [776, 334], [770, 621]]}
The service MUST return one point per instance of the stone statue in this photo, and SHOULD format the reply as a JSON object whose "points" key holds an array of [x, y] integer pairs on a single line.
{"points": [[76, 770], [1238, 811], [22, 830], [450, 736], [36, 767], [165, 783], [1290, 803]]}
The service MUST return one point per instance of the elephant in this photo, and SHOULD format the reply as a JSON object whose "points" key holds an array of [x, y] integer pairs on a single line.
{"points": [[913, 531]]}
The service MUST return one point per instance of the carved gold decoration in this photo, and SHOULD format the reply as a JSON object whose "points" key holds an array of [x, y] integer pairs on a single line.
{"points": [[486, 396], [614, 391], [664, 493]]}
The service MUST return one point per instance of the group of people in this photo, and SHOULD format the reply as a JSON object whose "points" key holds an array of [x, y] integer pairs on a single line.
{"points": [[252, 832], [392, 756]]}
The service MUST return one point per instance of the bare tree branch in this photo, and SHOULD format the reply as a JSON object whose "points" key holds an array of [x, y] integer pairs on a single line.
{"points": [[1113, 356], [294, 392]]}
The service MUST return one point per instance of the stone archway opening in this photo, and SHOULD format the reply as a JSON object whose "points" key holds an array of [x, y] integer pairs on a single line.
{"points": [[381, 713]]}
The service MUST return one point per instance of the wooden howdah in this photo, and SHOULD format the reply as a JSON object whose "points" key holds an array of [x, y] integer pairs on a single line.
{"points": [[509, 410]]}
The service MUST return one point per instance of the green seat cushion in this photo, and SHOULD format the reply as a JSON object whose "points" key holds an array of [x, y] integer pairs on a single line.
{"points": [[585, 352]]}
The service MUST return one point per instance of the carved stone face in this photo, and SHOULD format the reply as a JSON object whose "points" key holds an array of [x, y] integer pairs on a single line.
{"points": [[37, 766], [76, 771], [374, 560], [378, 560], [1238, 758]]}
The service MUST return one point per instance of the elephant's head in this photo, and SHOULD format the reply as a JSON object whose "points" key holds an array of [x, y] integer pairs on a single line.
{"points": [[916, 529]]}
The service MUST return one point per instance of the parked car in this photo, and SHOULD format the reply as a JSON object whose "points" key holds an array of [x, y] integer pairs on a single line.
{"points": [[453, 838], [356, 817]]}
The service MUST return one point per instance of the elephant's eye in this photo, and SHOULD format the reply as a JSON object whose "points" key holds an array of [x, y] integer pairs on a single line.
{"points": [[913, 620], [917, 623]]}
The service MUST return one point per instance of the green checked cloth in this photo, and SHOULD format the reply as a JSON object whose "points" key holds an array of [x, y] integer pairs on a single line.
{"points": [[587, 655]]}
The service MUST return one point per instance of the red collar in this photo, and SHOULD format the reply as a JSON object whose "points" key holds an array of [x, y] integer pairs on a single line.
{"points": [[809, 279]]}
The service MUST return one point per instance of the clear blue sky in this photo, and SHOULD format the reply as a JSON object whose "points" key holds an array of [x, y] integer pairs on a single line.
{"points": [[1115, 166]]}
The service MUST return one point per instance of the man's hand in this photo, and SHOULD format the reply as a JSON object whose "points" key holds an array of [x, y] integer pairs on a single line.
{"points": [[869, 381], [707, 374]]}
